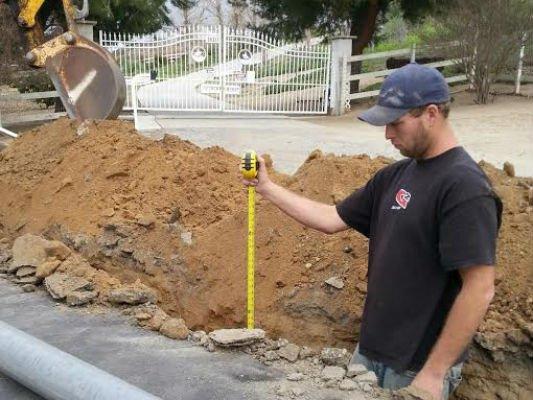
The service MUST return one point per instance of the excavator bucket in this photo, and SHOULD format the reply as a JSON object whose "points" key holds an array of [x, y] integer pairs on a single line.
{"points": [[87, 78]]}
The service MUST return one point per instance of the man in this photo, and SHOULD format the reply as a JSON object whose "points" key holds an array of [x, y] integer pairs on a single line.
{"points": [[432, 220]]}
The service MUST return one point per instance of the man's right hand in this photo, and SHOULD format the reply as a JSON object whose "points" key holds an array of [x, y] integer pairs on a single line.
{"points": [[262, 182]]}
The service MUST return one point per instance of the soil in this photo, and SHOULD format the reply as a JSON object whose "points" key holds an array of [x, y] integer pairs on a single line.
{"points": [[174, 216]]}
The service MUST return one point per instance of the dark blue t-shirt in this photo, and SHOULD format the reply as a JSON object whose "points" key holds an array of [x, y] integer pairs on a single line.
{"points": [[425, 219]]}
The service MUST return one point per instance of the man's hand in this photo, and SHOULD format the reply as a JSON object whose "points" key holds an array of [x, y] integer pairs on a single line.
{"points": [[262, 181], [430, 383], [411, 393]]}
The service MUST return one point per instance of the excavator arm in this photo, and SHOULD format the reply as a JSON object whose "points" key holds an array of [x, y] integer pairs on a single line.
{"points": [[86, 76]]}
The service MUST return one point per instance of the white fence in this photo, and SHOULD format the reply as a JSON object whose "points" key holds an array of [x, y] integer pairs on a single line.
{"points": [[213, 68]]}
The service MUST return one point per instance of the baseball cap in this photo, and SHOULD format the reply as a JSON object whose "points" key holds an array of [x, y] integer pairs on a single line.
{"points": [[410, 86]]}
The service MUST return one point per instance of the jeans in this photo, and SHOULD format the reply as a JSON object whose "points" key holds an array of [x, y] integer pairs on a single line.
{"points": [[390, 379]]}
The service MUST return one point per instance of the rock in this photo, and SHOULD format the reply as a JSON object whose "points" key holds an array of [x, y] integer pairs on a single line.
{"points": [[186, 238], [108, 240], [47, 268], [366, 387], [355, 370], [361, 286], [28, 250], [348, 384], [143, 316], [335, 356], [57, 249], [333, 373], [289, 352], [79, 298], [25, 271], [199, 337], [368, 377], [271, 355], [509, 169], [295, 377], [155, 321], [27, 288], [210, 346], [236, 337], [306, 352], [5, 255], [136, 293], [59, 285], [297, 392], [175, 328], [335, 282], [148, 221], [347, 249], [30, 280]]}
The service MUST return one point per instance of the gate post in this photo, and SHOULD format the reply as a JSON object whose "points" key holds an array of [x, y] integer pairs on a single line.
{"points": [[341, 49]]}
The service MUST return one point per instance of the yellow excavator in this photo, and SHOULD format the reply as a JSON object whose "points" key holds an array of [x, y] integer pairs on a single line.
{"points": [[86, 76]]}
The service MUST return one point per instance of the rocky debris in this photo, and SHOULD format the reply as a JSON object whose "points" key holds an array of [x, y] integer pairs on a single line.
{"points": [[348, 385], [47, 268], [295, 377], [335, 282], [28, 250], [333, 373], [289, 352], [56, 249], [79, 298], [148, 221], [27, 280], [411, 393], [199, 337], [236, 337], [174, 328], [306, 352], [335, 356], [133, 294], [59, 285], [355, 370], [27, 288], [271, 355], [368, 377], [508, 168], [151, 318], [25, 271], [5, 255]]}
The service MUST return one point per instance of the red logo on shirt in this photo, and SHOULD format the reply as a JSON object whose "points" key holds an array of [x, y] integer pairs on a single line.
{"points": [[402, 198]]}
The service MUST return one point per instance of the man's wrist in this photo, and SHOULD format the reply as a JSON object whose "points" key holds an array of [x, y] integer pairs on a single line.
{"points": [[266, 188], [437, 371]]}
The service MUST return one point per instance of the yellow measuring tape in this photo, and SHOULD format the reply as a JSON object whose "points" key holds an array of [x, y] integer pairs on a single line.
{"points": [[249, 167]]}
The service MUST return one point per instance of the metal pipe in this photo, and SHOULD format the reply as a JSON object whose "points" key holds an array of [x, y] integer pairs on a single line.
{"points": [[56, 375], [8, 132]]}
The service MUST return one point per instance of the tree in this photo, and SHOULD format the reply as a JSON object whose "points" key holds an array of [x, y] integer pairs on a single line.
{"points": [[487, 34], [358, 18], [129, 16]]}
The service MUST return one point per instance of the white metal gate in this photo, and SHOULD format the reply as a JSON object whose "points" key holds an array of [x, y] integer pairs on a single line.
{"points": [[213, 68]]}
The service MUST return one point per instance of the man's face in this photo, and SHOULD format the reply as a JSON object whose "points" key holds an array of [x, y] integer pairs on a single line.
{"points": [[409, 136]]}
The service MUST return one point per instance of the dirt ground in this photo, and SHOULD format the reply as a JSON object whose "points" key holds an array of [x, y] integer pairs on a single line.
{"points": [[173, 215]]}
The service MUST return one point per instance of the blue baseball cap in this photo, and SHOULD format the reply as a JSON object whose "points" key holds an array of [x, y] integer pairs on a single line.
{"points": [[410, 86]]}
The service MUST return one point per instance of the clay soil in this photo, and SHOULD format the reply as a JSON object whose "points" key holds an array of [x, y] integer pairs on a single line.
{"points": [[180, 214]]}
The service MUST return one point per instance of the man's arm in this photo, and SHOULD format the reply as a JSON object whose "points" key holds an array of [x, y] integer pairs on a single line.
{"points": [[319, 216], [463, 320]]}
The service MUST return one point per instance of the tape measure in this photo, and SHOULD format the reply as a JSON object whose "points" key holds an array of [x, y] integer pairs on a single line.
{"points": [[249, 168]]}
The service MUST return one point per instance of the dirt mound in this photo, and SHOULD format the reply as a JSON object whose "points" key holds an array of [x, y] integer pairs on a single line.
{"points": [[174, 216]]}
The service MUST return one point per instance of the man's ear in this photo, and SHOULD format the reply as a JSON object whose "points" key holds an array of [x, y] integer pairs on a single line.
{"points": [[432, 114]]}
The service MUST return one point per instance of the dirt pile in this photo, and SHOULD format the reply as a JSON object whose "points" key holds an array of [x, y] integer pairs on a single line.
{"points": [[174, 216]]}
